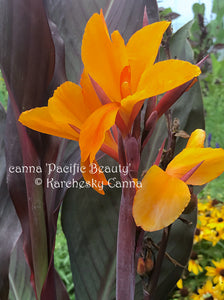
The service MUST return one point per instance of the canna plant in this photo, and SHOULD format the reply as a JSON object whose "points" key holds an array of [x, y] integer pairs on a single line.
{"points": [[127, 220]]}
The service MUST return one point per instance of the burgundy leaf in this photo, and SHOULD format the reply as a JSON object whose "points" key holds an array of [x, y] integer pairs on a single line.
{"points": [[19, 289], [71, 18], [27, 59], [10, 228], [24, 31]]}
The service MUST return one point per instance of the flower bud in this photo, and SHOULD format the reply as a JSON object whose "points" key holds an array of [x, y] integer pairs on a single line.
{"points": [[141, 269]]}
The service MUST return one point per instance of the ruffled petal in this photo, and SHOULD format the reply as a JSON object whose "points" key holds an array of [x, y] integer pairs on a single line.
{"points": [[196, 139], [40, 119], [142, 49], [101, 58], [94, 176], [67, 105], [212, 166], [160, 201], [93, 131]]}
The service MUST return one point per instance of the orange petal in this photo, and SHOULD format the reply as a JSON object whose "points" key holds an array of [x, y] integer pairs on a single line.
{"points": [[160, 201], [161, 77], [94, 176], [102, 57], [142, 49], [39, 119], [93, 131], [90, 97], [67, 105], [166, 75], [196, 139], [119, 50], [212, 166]]}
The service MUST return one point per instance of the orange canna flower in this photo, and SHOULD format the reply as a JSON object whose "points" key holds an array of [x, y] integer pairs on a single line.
{"points": [[127, 75], [64, 119], [164, 195], [121, 76]]}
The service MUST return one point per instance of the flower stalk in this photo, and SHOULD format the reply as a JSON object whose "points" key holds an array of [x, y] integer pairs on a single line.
{"points": [[158, 265], [125, 287], [126, 240]]}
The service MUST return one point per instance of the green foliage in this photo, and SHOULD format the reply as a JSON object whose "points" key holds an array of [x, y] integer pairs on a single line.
{"points": [[163, 13], [3, 92], [200, 38], [216, 26], [207, 38], [213, 90], [203, 39], [62, 261], [206, 253], [167, 14], [208, 247]]}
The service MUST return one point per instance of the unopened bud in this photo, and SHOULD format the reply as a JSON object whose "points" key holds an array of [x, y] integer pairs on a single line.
{"points": [[141, 269], [149, 264]]}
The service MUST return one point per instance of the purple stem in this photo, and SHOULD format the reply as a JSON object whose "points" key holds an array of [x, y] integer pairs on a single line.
{"points": [[125, 286], [158, 265]]}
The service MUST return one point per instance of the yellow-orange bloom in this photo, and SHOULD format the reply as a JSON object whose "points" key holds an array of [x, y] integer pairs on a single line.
{"points": [[217, 272], [207, 291], [194, 267], [65, 115], [125, 75], [163, 195]]}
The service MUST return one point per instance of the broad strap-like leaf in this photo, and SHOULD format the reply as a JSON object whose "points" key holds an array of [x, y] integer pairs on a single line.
{"points": [[19, 275], [90, 224], [10, 228], [27, 59], [179, 248], [24, 31], [72, 16]]}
